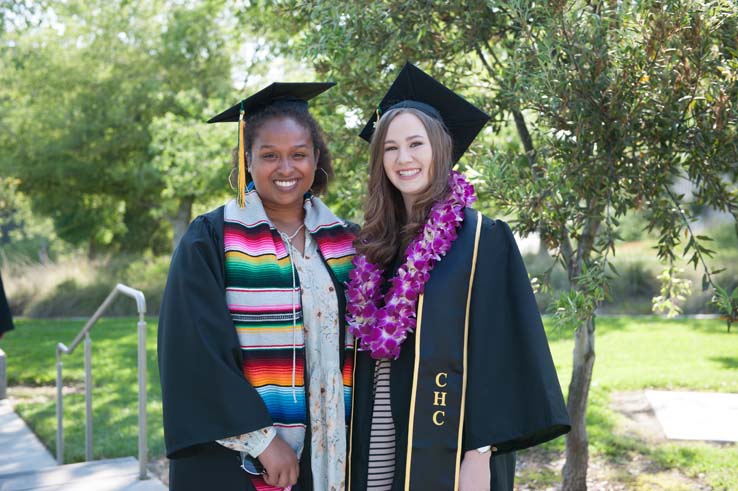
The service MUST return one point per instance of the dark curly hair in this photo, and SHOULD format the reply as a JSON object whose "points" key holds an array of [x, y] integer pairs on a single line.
{"points": [[299, 113]]}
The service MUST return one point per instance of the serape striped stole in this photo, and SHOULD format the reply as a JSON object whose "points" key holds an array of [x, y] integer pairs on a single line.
{"points": [[261, 299]]}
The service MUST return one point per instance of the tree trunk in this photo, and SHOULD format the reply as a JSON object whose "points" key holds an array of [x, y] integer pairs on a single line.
{"points": [[181, 220], [577, 452]]}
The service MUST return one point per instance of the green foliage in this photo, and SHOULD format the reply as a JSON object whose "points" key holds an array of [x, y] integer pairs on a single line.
{"points": [[727, 303], [673, 291], [574, 307], [632, 227], [611, 103], [88, 102], [75, 286]]}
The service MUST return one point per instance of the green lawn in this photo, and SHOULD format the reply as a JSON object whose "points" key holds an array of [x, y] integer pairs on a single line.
{"points": [[632, 353]]}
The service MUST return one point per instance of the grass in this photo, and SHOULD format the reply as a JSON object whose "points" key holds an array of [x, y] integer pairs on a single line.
{"points": [[633, 353]]}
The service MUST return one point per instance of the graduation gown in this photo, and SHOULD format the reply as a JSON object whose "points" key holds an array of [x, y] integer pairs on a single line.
{"points": [[6, 320], [513, 397], [205, 395]]}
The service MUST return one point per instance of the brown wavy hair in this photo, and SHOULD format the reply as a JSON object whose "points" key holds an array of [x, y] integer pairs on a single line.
{"points": [[387, 229], [287, 109]]}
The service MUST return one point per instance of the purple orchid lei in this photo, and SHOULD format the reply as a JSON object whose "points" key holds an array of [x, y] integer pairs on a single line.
{"points": [[383, 329]]}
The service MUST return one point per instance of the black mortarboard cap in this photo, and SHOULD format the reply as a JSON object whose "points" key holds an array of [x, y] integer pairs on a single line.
{"points": [[299, 92], [415, 88]]}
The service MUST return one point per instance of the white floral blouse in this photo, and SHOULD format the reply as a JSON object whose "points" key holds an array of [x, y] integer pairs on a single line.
{"points": [[325, 381]]}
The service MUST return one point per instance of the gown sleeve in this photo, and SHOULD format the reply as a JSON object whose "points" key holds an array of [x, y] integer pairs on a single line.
{"points": [[205, 396], [6, 320], [514, 399]]}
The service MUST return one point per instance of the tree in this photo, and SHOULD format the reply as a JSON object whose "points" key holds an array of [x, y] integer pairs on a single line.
{"points": [[612, 102], [90, 96], [628, 98], [191, 160]]}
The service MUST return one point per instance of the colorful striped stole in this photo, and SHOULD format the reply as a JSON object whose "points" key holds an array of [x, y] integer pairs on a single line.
{"points": [[261, 299]]}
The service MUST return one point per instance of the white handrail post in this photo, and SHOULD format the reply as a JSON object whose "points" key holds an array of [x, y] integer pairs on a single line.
{"points": [[142, 443], [59, 408], [88, 397]]}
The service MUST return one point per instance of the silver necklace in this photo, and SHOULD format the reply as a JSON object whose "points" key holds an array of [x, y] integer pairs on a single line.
{"points": [[289, 238]]}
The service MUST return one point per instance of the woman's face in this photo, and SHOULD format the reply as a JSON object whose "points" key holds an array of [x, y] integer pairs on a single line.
{"points": [[283, 163], [408, 156]]}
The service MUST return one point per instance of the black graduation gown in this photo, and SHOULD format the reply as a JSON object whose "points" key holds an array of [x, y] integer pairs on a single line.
{"points": [[513, 398], [205, 396], [6, 320]]}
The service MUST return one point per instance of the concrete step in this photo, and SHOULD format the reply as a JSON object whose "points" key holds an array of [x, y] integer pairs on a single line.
{"points": [[101, 475]]}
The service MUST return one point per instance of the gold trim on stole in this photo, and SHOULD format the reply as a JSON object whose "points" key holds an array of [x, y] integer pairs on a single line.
{"points": [[351, 424], [411, 423], [459, 451]]}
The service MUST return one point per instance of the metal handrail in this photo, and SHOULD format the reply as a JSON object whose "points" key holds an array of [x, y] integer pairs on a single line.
{"points": [[84, 334]]}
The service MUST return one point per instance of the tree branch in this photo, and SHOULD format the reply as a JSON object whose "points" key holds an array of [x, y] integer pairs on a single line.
{"points": [[520, 125], [567, 252], [586, 242], [526, 139]]}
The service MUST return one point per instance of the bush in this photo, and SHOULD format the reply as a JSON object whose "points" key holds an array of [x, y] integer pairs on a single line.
{"points": [[76, 286]]}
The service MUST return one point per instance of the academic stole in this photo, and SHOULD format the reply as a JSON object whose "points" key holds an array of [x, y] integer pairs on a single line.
{"points": [[260, 295], [437, 400]]}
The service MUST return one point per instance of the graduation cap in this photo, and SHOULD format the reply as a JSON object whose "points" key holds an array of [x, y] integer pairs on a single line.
{"points": [[298, 93], [416, 89]]}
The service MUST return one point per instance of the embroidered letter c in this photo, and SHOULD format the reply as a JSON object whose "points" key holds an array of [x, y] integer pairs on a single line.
{"points": [[438, 379]]}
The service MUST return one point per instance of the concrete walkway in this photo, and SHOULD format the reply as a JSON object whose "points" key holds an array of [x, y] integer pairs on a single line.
{"points": [[20, 450], [101, 475], [26, 465]]}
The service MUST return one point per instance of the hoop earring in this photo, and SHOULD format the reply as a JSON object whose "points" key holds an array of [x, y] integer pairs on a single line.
{"points": [[230, 178], [324, 172], [326, 180]]}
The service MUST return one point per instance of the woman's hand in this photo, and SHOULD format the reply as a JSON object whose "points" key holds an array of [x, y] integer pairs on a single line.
{"points": [[475, 473], [280, 464]]}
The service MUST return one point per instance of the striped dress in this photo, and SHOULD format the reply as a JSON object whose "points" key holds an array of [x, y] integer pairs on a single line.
{"points": [[382, 434]]}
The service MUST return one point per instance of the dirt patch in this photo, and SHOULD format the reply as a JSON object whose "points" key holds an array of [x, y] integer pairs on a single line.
{"points": [[37, 394], [638, 419], [539, 470]]}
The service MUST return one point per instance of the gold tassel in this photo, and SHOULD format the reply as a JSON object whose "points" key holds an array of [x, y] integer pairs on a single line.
{"points": [[241, 163]]}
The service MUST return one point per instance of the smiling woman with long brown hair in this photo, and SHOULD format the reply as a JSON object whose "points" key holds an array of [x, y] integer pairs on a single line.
{"points": [[454, 372]]}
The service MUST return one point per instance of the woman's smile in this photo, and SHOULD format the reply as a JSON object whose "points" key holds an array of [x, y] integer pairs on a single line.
{"points": [[408, 174], [286, 184]]}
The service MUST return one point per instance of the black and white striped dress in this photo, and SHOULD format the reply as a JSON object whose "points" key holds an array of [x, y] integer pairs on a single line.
{"points": [[382, 435]]}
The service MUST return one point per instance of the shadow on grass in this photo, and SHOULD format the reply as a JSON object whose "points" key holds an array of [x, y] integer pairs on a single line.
{"points": [[603, 325], [729, 362]]}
